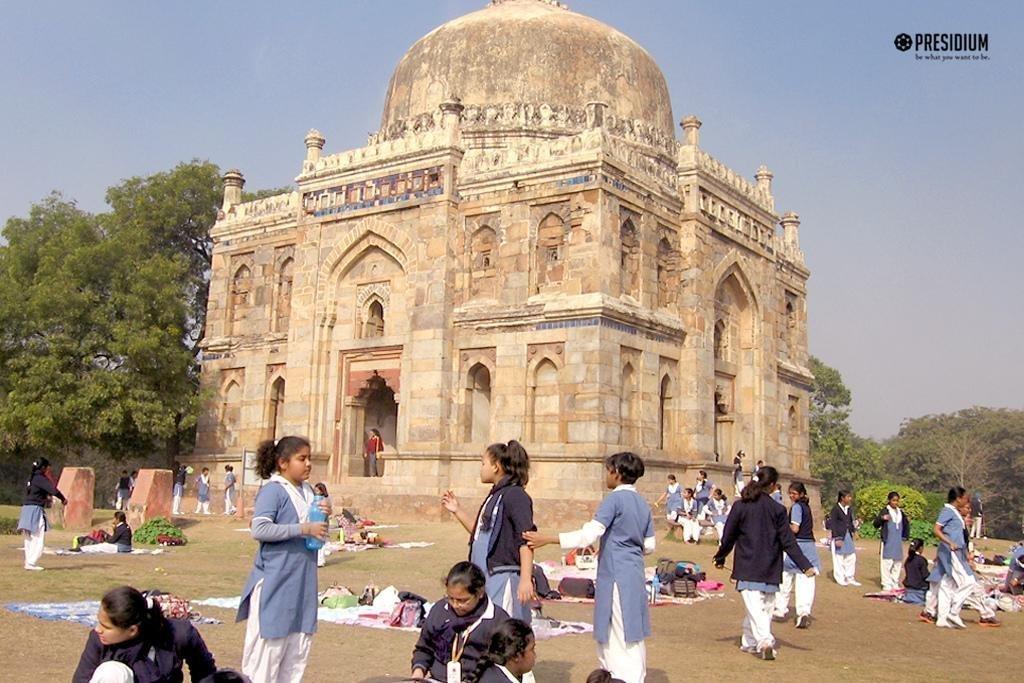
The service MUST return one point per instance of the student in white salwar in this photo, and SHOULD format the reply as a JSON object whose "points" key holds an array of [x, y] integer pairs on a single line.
{"points": [[625, 526], [952, 571]]}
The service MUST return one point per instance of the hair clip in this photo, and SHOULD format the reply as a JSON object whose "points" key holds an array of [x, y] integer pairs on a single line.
{"points": [[149, 602], [755, 478]]}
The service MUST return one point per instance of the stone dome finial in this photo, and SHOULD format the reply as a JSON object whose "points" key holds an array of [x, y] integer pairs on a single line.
{"points": [[234, 181], [314, 145], [691, 130]]}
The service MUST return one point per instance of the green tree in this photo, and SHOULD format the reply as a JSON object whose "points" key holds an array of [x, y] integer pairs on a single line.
{"points": [[838, 456]]}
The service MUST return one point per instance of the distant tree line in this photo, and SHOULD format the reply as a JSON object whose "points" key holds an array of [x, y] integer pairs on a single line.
{"points": [[979, 448]]}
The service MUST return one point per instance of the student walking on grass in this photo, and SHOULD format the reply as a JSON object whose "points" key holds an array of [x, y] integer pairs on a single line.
{"points": [[33, 523], [624, 524], [801, 522], [895, 527], [279, 599], [844, 555], [496, 543], [759, 529]]}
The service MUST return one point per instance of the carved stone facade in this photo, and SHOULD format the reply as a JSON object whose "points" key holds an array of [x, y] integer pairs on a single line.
{"points": [[563, 273]]}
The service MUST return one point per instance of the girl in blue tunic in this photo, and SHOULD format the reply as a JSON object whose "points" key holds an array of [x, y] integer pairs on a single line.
{"points": [[801, 522], [842, 525], [203, 492], [496, 543], [33, 523], [760, 530], [895, 528], [673, 499], [279, 599], [717, 510], [625, 526], [952, 572]]}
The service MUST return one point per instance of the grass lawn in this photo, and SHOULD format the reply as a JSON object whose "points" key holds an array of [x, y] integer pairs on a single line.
{"points": [[851, 638]]}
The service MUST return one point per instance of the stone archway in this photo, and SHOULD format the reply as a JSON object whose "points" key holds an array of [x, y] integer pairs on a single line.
{"points": [[376, 401]]}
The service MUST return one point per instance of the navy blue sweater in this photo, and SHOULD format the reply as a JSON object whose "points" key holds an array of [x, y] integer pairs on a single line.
{"points": [[181, 645], [40, 488], [759, 530]]}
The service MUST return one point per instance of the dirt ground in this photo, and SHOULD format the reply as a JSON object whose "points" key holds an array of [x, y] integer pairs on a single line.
{"points": [[851, 638]]}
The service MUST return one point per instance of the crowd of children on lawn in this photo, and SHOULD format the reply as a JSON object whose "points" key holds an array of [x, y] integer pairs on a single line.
{"points": [[481, 630]]}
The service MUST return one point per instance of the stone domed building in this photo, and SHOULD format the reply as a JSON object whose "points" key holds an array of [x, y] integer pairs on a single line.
{"points": [[524, 250]]}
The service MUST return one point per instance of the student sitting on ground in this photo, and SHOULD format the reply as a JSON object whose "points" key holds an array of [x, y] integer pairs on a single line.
{"points": [[1015, 576], [510, 656], [457, 631], [122, 536], [134, 642], [916, 581]]}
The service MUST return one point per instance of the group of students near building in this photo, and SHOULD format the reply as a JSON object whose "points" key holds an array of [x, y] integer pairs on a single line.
{"points": [[480, 631], [203, 487]]}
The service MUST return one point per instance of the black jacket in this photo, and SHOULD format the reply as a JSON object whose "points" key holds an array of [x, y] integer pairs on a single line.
{"points": [[40, 488], [184, 645], [917, 573], [432, 651], [880, 523], [839, 524], [122, 535], [516, 515], [760, 531]]}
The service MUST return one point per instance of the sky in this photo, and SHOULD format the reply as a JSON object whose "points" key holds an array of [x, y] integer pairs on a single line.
{"points": [[902, 170]]}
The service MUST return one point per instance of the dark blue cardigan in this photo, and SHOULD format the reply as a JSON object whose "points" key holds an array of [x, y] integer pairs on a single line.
{"points": [[760, 531]]}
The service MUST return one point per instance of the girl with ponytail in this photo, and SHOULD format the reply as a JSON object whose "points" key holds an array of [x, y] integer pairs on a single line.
{"points": [[133, 641], [279, 599], [802, 524], [496, 543], [510, 656], [759, 529], [33, 523]]}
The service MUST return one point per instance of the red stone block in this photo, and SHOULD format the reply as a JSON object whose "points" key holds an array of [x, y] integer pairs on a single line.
{"points": [[151, 497], [78, 486]]}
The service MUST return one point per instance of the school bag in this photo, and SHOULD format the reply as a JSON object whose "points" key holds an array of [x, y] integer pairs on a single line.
{"points": [[577, 587], [586, 558], [542, 586], [409, 613], [172, 606]]}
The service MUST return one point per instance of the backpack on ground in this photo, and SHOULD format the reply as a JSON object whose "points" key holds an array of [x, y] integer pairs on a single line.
{"points": [[577, 587], [542, 585]]}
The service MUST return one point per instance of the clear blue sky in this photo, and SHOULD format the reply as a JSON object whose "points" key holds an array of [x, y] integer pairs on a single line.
{"points": [[902, 171]]}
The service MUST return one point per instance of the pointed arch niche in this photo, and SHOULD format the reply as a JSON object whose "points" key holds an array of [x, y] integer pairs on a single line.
{"points": [[735, 357]]}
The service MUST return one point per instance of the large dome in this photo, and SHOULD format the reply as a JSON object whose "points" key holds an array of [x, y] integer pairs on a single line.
{"points": [[529, 52]]}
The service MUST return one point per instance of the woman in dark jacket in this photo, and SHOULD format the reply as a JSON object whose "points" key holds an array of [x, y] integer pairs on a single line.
{"points": [[759, 529], [33, 523], [133, 641]]}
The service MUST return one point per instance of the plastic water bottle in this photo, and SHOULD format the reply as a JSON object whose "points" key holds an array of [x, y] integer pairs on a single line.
{"points": [[655, 589], [316, 515]]}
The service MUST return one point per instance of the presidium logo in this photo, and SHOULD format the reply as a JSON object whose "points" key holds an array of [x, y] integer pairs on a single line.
{"points": [[944, 47]]}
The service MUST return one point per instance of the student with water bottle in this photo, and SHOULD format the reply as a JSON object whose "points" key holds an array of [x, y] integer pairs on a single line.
{"points": [[279, 599]]}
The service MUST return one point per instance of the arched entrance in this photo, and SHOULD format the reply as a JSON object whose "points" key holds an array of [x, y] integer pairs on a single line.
{"points": [[379, 411]]}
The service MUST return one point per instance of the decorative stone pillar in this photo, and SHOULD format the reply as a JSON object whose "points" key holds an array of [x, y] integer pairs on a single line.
{"points": [[234, 181], [791, 231], [78, 484], [691, 130], [151, 497], [764, 184], [595, 114], [451, 112], [314, 146]]}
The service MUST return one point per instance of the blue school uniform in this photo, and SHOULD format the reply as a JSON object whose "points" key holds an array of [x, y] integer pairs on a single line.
{"points": [[627, 520], [287, 568], [675, 497], [497, 554], [203, 490], [703, 493], [777, 496], [892, 548], [804, 539], [953, 527], [718, 513]]}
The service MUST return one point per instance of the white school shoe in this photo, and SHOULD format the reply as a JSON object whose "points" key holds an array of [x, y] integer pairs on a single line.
{"points": [[956, 621], [749, 649], [854, 582], [33, 568]]}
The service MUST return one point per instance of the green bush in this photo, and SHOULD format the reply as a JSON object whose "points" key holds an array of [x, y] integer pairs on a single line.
{"points": [[8, 526], [873, 498], [934, 504], [158, 526], [925, 530]]}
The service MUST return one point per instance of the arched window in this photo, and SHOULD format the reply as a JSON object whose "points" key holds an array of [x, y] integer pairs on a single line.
{"points": [[482, 262], [231, 414], [478, 404], [283, 298], [275, 411], [629, 260], [628, 400], [665, 412], [667, 278], [545, 404], [241, 284], [374, 325], [550, 250]]}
